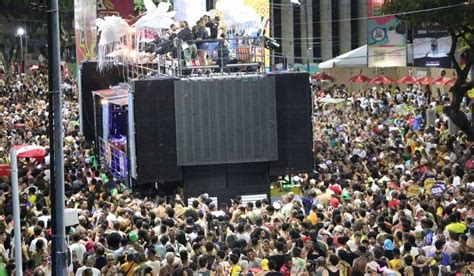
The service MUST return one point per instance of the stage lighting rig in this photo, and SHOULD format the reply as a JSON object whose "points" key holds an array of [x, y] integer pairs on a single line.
{"points": [[160, 46], [270, 43]]}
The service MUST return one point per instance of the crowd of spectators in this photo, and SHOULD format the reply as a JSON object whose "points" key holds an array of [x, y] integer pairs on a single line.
{"points": [[390, 195]]}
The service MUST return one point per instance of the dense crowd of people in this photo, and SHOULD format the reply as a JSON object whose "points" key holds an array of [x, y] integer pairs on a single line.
{"points": [[390, 195]]}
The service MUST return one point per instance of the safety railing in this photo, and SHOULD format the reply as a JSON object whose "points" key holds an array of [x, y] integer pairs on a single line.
{"points": [[114, 159], [236, 54], [175, 57]]}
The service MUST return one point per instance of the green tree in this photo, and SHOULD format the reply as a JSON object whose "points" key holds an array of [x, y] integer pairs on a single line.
{"points": [[139, 5], [458, 17], [32, 14]]}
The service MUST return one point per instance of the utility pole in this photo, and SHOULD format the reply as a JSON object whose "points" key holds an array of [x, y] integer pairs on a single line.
{"points": [[56, 142], [306, 14]]}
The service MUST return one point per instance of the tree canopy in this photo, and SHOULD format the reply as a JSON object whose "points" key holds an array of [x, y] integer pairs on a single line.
{"points": [[458, 17]]}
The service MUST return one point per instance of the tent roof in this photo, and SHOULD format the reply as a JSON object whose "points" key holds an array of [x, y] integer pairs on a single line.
{"points": [[354, 58]]}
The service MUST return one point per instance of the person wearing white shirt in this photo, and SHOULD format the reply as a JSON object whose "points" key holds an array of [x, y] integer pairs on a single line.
{"points": [[452, 242], [241, 234], [90, 262], [153, 262], [77, 248], [37, 232]]}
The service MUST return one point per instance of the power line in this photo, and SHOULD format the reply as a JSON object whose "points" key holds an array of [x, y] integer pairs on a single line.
{"points": [[353, 57], [301, 5], [381, 16], [392, 53]]}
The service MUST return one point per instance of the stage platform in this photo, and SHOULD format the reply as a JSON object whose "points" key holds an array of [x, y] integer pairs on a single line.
{"points": [[225, 135]]}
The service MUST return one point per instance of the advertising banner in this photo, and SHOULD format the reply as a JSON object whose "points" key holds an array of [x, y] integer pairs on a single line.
{"points": [[431, 46], [85, 30], [394, 56], [122, 8], [386, 43], [262, 7], [438, 189]]}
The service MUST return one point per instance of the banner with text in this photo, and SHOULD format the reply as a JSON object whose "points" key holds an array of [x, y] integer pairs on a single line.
{"points": [[85, 29], [386, 45]]}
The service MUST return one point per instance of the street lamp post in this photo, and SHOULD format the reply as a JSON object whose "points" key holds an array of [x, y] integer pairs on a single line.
{"points": [[20, 32], [16, 213], [23, 151]]}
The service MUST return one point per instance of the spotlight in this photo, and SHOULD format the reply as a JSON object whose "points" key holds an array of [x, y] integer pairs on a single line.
{"points": [[150, 47], [271, 43], [165, 46], [159, 46]]}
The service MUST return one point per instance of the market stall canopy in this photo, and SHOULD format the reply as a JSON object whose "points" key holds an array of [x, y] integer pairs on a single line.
{"points": [[30, 151], [354, 58], [408, 79], [382, 79], [114, 95], [450, 82], [321, 76], [359, 79], [440, 81], [425, 80]]}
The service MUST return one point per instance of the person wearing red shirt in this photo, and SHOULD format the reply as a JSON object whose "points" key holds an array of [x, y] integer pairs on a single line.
{"points": [[286, 268], [393, 203], [336, 188]]}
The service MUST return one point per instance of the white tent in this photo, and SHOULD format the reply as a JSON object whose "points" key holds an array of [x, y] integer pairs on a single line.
{"points": [[354, 58]]}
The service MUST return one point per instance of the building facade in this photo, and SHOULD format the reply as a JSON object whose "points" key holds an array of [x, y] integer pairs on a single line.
{"points": [[312, 31]]}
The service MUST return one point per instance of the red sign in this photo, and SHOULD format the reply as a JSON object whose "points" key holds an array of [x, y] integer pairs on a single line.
{"points": [[122, 8]]}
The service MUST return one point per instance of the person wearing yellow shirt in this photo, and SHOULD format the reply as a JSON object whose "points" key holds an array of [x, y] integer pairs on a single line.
{"points": [[396, 263], [32, 197], [455, 225], [235, 268], [129, 265], [313, 215]]}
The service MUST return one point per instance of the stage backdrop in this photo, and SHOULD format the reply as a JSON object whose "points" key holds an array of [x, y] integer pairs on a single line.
{"points": [[85, 30], [123, 8], [386, 38]]}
